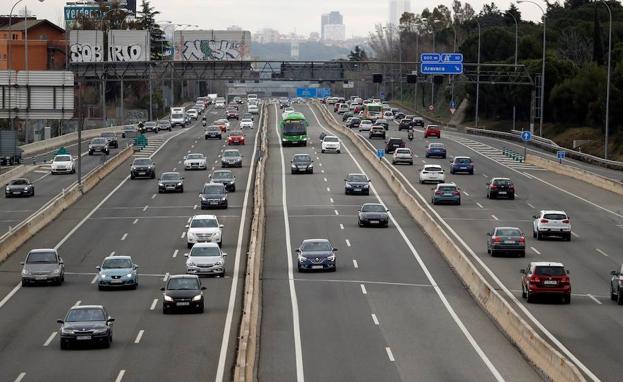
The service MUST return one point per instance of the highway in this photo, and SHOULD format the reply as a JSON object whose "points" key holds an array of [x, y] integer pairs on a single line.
{"points": [[129, 217], [587, 330], [393, 310]]}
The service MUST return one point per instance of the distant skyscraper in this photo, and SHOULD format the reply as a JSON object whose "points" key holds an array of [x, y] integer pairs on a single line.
{"points": [[332, 18], [396, 9]]}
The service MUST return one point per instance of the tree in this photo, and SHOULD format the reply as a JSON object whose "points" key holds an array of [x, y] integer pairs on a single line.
{"points": [[575, 3], [358, 54], [511, 12], [147, 21]]}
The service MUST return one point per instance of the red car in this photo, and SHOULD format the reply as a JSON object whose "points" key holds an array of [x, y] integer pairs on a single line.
{"points": [[235, 138], [432, 131], [232, 114], [542, 278]]}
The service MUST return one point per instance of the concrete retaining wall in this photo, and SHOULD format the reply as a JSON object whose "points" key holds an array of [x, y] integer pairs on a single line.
{"points": [[16, 172], [552, 363]]}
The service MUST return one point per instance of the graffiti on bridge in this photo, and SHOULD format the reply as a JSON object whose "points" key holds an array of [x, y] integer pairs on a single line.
{"points": [[217, 50], [86, 53], [125, 53]]}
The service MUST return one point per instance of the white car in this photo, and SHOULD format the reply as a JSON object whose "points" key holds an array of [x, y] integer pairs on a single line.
{"points": [[253, 109], [365, 125], [246, 123], [551, 223], [287, 111], [388, 115], [402, 155], [432, 173], [219, 104], [192, 113], [63, 164], [331, 143], [195, 161], [205, 259], [203, 229]]}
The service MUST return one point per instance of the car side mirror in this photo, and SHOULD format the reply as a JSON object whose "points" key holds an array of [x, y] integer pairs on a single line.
{"points": [[162, 289], [203, 288], [224, 253], [487, 183], [298, 250], [187, 226], [568, 271], [184, 157], [21, 263], [98, 268], [488, 233], [60, 321], [334, 249], [221, 226], [135, 266], [535, 217], [110, 319], [522, 271], [614, 273]]}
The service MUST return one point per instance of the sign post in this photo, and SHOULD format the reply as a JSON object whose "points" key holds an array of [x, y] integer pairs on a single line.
{"points": [[526, 136], [561, 155]]}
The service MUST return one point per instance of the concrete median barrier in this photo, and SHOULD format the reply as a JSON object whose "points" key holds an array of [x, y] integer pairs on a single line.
{"points": [[18, 235], [576, 173], [52, 143], [16, 172], [538, 351]]}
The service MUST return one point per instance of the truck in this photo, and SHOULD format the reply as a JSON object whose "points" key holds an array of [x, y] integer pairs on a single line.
{"points": [[212, 98], [10, 153], [178, 116]]}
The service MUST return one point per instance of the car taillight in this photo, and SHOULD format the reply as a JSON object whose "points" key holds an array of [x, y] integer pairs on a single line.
{"points": [[438, 192], [497, 239], [512, 188], [522, 239], [564, 280], [456, 193], [493, 187], [544, 221], [534, 279], [566, 221]]}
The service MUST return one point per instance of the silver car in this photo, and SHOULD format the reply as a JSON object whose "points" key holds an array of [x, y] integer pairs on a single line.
{"points": [[402, 155], [117, 271], [43, 266], [206, 259]]}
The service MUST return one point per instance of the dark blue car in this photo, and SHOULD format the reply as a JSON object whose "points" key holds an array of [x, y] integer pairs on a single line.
{"points": [[436, 150], [316, 254], [462, 164]]}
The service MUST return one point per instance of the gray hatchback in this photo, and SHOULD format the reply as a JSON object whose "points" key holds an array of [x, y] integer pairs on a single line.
{"points": [[43, 266]]}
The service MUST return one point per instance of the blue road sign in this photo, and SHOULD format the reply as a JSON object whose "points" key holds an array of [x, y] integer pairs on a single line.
{"points": [[432, 68], [452, 58], [380, 153], [382, 95], [430, 57], [526, 136], [452, 104], [561, 154], [323, 92], [306, 92]]}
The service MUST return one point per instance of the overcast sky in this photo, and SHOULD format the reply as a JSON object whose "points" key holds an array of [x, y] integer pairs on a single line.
{"points": [[302, 16]]}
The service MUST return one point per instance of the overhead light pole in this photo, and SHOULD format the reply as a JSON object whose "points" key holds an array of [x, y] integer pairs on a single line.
{"points": [[478, 75], [516, 50], [608, 81]]}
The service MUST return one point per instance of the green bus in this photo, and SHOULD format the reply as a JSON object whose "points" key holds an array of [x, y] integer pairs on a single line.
{"points": [[294, 129]]}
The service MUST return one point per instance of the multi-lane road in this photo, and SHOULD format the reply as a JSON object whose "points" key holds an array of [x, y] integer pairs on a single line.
{"points": [[129, 217]]}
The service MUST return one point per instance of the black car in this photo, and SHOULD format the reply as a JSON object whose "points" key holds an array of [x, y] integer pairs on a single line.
{"points": [[373, 214], [504, 240], [393, 144], [382, 122], [150, 126], [164, 125], [231, 158], [19, 187], [86, 324], [182, 292], [143, 168], [99, 145], [418, 122], [316, 254], [302, 163], [354, 123], [500, 188], [226, 178], [213, 132], [347, 115], [357, 184], [398, 116], [213, 195], [112, 139], [616, 286], [170, 181], [404, 124]]}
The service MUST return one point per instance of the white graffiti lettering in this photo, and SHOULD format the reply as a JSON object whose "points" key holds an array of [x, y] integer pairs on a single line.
{"points": [[221, 50], [86, 53], [125, 53]]}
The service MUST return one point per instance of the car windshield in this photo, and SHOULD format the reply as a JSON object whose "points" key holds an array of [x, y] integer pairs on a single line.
{"points": [[395, 141], [447, 188], [183, 283], [142, 162], [222, 175], [507, 232], [205, 251], [62, 158], [331, 139], [150, 124], [294, 127], [301, 158], [194, 156], [357, 178], [108, 135], [372, 208], [246, 120], [204, 223], [463, 160], [213, 128], [433, 168], [502, 182], [170, 176], [549, 270], [231, 154], [436, 146], [85, 314], [177, 115], [41, 258], [215, 189], [366, 122], [555, 216], [403, 151], [19, 182], [117, 263], [312, 246], [98, 141], [236, 132]]}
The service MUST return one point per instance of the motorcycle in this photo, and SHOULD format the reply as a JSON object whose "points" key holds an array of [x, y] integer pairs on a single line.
{"points": [[204, 123], [410, 134]]}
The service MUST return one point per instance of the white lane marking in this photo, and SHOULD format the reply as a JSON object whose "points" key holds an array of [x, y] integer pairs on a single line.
{"points": [[124, 236], [363, 289], [479, 205], [175, 253], [189, 219], [328, 189], [355, 264], [174, 168], [166, 277], [50, 338], [139, 336], [179, 162], [336, 212], [530, 205], [496, 374], [153, 304], [601, 252], [94, 279], [325, 179], [375, 320], [574, 234], [78, 303], [484, 175], [465, 192], [594, 298], [195, 207], [145, 208], [341, 226], [348, 242], [112, 253], [135, 221], [390, 355], [322, 171], [535, 250], [495, 217], [20, 377], [183, 235], [331, 200], [296, 326], [154, 196], [120, 375], [320, 164], [11, 293], [220, 371]]}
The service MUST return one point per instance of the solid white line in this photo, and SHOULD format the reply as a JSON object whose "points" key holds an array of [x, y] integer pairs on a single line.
{"points": [[145, 208], [601, 252], [374, 319], [50, 338], [11, 293], [139, 336], [322, 171], [135, 221], [494, 217], [124, 236], [320, 164], [535, 250], [20, 377], [347, 242], [341, 226], [530, 205], [363, 289], [479, 205], [112, 253], [355, 264], [94, 279], [153, 304], [296, 326], [337, 213], [166, 277], [183, 235], [594, 299], [389, 354], [188, 221], [195, 207], [175, 253], [220, 370], [120, 376], [154, 196]]}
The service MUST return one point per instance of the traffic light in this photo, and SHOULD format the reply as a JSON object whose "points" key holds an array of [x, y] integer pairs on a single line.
{"points": [[377, 78]]}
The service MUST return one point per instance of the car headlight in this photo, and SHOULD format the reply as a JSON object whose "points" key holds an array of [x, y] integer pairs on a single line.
{"points": [[26, 188], [197, 297], [191, 235], [25, 271], [167, 298], [365, 186], [66, 331], [100, 331], [331, 257], [348, 185], [302, 259], [293, 166], [220, 262], [56, 271], [8, 189], [179, 184], [102, 275], [311, 165], [161, 184], [224, 197], [190, 264], [129, 275]]}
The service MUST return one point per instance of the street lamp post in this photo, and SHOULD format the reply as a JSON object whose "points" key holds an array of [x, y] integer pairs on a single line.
{"points": [[543, 64], [453, 50], [478, 75], [516, 50], [10, 40], [608, 81]]}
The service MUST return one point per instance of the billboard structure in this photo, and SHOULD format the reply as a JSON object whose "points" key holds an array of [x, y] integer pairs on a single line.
{"points": [[125, 45], [86, 46], [45, 94], [212, 45]]}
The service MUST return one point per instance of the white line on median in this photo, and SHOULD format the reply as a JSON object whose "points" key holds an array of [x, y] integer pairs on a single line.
{"points": [[153, 304], [20, 377], [574, 234], [495, 217], [183, 235], [328, 189], [594, 299], [535, 250], [195, 207], [347, 242], [135, 221], [120, 375], [154, 196], [11, 293], [145, 208], [78, 303], [355, 264], [375, 320], [336, 212], [390, 355], [465, 192], [325, 179], [124, 236], [139, 336], [175, 253], [479, 205], [50, 338], [530, 205], [166, 277], [331, 200], [602, 252], [94, 279], [363, 289], [341, 226]]}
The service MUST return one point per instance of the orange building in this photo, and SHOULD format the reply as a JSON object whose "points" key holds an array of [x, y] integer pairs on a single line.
{"points": [[46, 45]]}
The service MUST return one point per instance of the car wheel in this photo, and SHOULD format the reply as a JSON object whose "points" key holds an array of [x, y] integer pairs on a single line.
{"points": [[529, 297], [24, 283], [165, 310], [452, 172], [567, 299], [333, 269], [293, 172], [182, 189], [233, 189], [534, 233], [311, 171], [539, 236], [90, 153], [206, 138], [613, 296], [299, 269], [108, 342], [189, 245], [512, 197], [220, 244], [492, 252], [322, 151], [201, 309], [522, 254], [620, 298], [153, 175], [568, 237], [523, 292], [359, 223], [64, 345], [132, 176], [135, 286], [339, 151]]}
